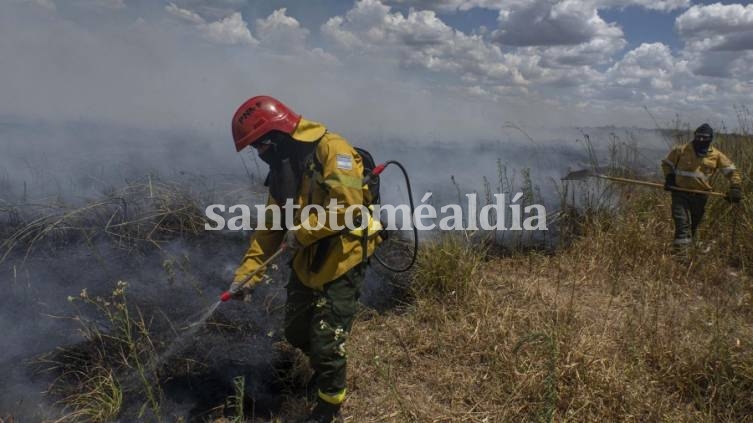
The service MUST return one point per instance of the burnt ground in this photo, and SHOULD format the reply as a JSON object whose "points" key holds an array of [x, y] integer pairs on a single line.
{"points": [[171, 285]]}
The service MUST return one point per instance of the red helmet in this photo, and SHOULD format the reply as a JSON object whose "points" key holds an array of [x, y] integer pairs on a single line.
{"points": [[258, 116]]}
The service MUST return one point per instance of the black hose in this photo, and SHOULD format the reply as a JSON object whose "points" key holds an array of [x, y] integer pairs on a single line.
{"points": [[413, 223]]}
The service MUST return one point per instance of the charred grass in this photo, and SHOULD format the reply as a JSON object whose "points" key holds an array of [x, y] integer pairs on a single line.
{"points": [[142, 213]]}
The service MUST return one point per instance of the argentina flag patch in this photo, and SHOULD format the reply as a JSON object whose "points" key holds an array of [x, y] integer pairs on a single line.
{"points": [[344, 162]]}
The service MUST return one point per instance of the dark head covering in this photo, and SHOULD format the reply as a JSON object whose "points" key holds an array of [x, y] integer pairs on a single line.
{"points": [[705, 129], [704, 134]]}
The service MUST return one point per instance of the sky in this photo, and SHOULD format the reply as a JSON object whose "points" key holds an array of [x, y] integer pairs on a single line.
{"points": [[404, 69]]}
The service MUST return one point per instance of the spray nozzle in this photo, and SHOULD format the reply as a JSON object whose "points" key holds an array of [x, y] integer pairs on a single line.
{"points": [[228, 295]]}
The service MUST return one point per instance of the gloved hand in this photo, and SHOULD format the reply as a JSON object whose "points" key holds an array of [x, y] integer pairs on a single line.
{"points": [[669, 181], [290, 242], [735, 194], [241, 291]]}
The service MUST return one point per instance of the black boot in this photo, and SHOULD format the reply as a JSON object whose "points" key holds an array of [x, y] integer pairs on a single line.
{"points": [[325, 412]]}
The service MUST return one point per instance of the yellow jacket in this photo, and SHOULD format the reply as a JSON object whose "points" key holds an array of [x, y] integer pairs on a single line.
{"points": [[695, 172], [339, 177]]}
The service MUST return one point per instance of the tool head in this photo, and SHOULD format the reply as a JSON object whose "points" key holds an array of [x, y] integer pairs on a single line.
{"points": [[226, 296], [580, 175]]}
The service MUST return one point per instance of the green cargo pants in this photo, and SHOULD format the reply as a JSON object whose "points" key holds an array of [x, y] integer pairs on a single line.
{"points": [[318, 322], [687, 213]]}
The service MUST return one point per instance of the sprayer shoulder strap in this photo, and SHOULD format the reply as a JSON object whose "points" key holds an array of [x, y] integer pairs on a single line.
{"points": [[316, 173], [317, 168]]}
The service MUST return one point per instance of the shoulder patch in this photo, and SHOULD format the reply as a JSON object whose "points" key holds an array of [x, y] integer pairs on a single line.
{"points": [[344, 162]]}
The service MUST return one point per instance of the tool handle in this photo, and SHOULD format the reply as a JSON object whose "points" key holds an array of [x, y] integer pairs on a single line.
{"points": [[658, 185], [697, 191], [228, 295]]}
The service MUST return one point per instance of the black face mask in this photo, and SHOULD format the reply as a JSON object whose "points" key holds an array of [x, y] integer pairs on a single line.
{"points": [[701, 146], [282, 181], [285, 157]]}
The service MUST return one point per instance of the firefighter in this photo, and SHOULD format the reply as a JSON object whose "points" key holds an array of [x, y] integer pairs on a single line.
{"points": [[308, 164], [691, 166]]}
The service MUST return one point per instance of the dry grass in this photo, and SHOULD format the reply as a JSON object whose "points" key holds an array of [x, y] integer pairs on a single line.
{"points": [[144, 212], [448, 270], [578, 336], [99, 399], [117, 355], [611, 327]]}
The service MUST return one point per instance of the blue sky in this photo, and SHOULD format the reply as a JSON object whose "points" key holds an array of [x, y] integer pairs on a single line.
{"points": [[645, 26], [642, 25], [441, 68]]}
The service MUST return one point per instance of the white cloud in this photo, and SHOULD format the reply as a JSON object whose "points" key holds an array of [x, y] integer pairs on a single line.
{"points": [[718, 39], [464, 5], [449, 5], [284, 36], [717, 27], [647, 60], [334, 29], [112, 4], [715, 19], [211, 10], [541, 23], [419, 39], [559, 34], [649, 70], [652, 75], [660, 5], [378, 46], [230, 30], [360, 26], [279, 34], [185, 14], [565, 33], [282, 32], [598, 50], [544, 52]]}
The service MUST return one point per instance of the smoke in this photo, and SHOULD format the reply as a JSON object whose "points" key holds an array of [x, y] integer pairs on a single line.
{"points": [[92, 97], [142, 67], [92, 101]]}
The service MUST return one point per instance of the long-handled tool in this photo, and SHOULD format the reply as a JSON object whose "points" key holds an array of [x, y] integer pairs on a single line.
{"points": [[227, 295], [587, 173]]}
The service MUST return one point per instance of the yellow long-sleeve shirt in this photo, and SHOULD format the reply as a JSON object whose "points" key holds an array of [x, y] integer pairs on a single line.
{"points": [[338, 177], [695, 172]]}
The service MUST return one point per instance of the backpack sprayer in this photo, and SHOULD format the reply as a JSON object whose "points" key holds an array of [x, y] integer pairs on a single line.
{"points": [[371, 179]]}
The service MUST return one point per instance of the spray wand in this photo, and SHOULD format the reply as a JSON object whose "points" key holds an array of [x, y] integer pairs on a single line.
{"points": [[227, 295]]}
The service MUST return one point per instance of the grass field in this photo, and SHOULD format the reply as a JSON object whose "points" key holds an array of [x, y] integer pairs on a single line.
{"points": [[610, 326], [606, 324]]}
